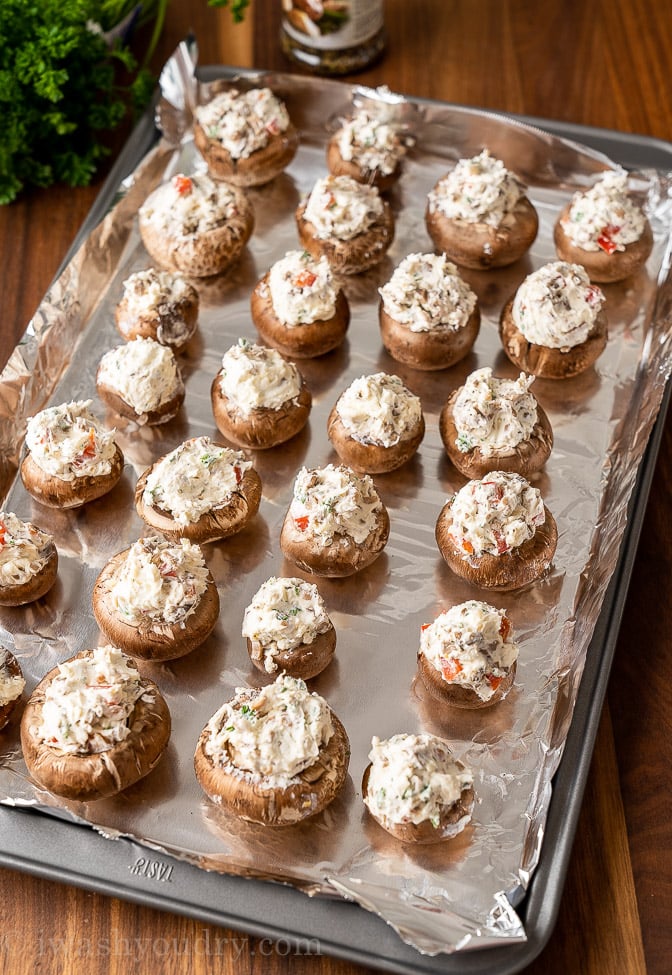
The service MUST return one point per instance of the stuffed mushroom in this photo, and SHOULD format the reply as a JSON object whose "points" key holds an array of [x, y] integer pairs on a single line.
{"points": [[429, 316], [245, 137], [196, 225], [347, 222], [28, 561], [336, 524], [287, 628], [298, 308], [604, 230], [71, 458], [273, 756], [93, 726], [497, 533], [555, 326], [159, 305], [368, 147], [259, 399], [157, 599], [141, 381], [12, 684], [479, 216], [492, 424], [416, 789], [376, 425], [467, 656], [202, 491]]}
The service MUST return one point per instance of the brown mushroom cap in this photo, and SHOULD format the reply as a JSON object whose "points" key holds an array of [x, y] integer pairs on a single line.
{"points": [[175, 318], [461, 695], [342, 557], [304, 341], [600, 266], [212, 526], [438, 348], [349, 256], [164, 412], [305, 661], [36, 586], [338, 166], [525, 458], [546, 362], [260, 167], [248, 796], [480, 246], [203, 254], [14, 669], [56, 493], [96, 775], [501, 573], [149, 640], [371, 458], [452, 819], [261, 428]]}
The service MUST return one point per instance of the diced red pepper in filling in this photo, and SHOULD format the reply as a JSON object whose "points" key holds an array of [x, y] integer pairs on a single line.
{"points": [[305, 279], [301, 523], [467, 546], [505, 627], [182, 184], [493, 681], [425, 626], [90, 449], [450, 667], [604, 240], [238, 473]]}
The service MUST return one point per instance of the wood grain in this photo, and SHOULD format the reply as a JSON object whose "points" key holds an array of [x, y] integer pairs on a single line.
{"points": [[593, 62]]}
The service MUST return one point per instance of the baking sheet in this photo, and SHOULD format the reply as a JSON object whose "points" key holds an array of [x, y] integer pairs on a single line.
{"points": [[375, 871]]}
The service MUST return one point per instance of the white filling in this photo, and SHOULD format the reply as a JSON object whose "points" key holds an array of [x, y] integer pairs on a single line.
{"points": [[604, 217], [471, 644], [68, 442], [413, 779], [493, 414], [302, 289], [496, 514], [188, 205], [333, 500], [196, 477], [158, 582], [371, 143], [478, 190], [557, 306], [87, 705], [339, 206], [24, 550], [379, 409], [143, 373], [243, 122], [11, 685], [274, 733], [148, 292], [284, 614], [255, 378], [427, 292]]}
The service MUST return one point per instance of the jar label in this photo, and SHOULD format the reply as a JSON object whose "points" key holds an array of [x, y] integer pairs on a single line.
{"points": [[330, 25]]}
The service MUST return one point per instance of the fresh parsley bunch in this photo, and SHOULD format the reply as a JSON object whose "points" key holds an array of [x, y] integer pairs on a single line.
{"points": [[60, 65]]}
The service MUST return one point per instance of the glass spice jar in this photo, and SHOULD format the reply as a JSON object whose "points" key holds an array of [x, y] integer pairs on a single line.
{"points": [[332, 37]]}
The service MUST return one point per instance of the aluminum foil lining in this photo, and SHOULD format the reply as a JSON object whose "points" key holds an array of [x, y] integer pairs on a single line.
{"points": [[459, 894]]}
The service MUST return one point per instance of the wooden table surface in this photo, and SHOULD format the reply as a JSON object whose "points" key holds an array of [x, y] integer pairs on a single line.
{"points": [[597, 62]]}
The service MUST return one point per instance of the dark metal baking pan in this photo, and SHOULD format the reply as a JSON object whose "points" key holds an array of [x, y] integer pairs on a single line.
{"points": [[61, 850]]}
